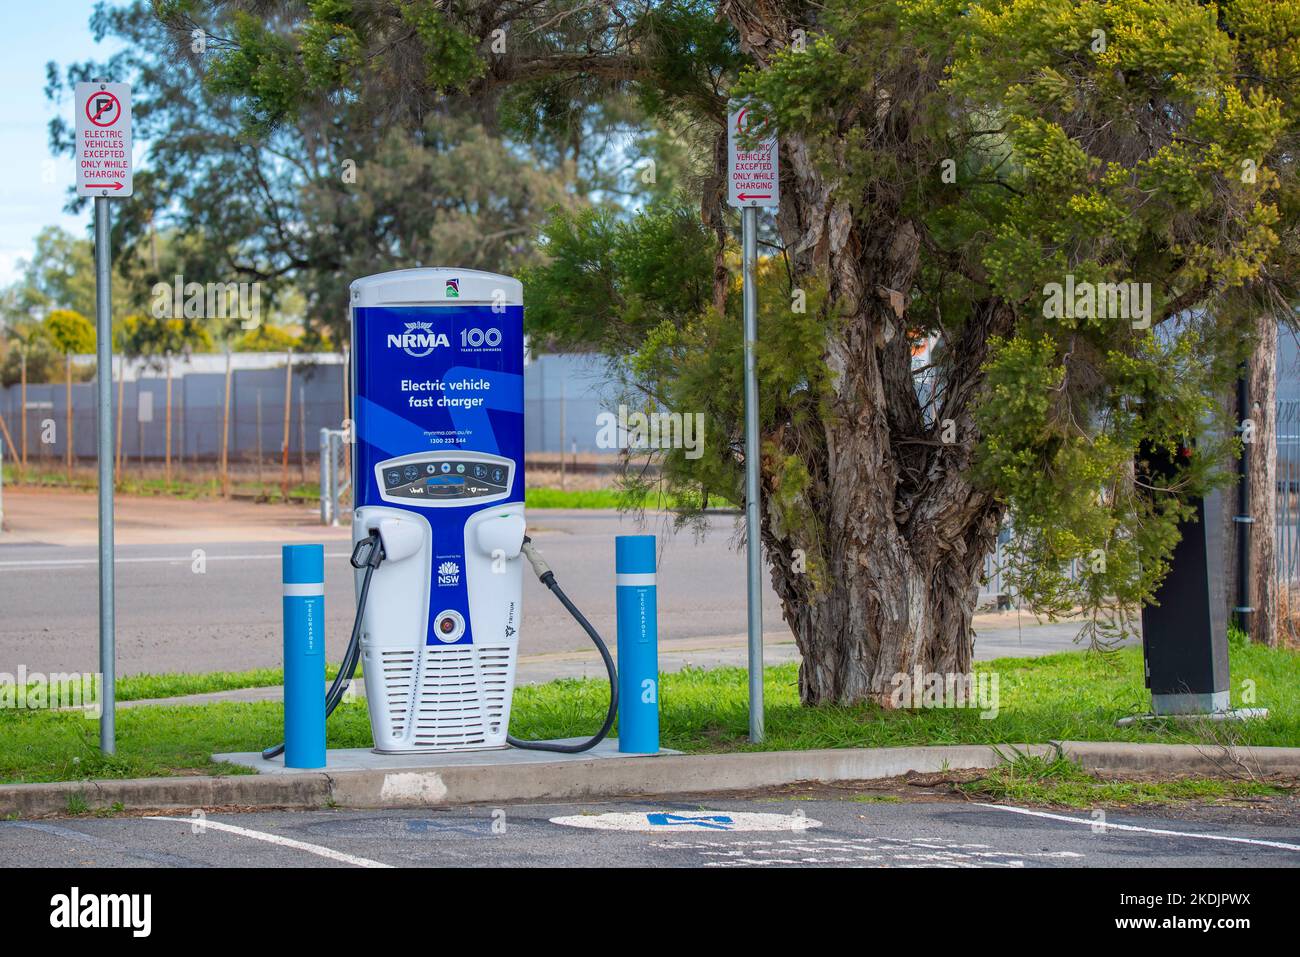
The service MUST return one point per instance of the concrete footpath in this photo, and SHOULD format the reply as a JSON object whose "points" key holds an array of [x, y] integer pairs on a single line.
{"points": [[510, 776]]}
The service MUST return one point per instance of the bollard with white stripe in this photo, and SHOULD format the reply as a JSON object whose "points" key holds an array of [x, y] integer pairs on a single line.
{"points": [[304, 655], [638, 644]]}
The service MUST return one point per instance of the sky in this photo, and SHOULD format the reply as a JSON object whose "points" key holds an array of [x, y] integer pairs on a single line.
{"points": [[34, 184]]}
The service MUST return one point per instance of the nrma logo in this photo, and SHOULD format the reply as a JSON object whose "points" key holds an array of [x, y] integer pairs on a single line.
{"points": [[448, 573], [418, 340]]}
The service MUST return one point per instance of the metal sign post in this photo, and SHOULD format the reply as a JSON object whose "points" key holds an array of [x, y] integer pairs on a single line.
{"points": [[104, 380], [103, 169], [753, 520], [753, 180]]}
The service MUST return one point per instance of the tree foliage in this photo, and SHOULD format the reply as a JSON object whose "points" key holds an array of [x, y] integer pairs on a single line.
{"points": [[301, 194], [69, 331], [954, 171]]}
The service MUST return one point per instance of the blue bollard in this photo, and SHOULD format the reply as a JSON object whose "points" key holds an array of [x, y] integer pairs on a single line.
{"points": [[638, 644], [304, 655]]}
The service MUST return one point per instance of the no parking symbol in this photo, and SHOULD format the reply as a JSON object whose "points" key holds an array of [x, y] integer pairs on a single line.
{"points": [[103, 109]]}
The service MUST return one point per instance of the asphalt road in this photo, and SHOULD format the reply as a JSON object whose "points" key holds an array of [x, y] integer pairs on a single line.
{"points": [[812, 829], [177, 613], [197, 606]]}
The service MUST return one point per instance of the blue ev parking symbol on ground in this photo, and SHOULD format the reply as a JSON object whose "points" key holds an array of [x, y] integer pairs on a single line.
{"points": [[682, 821], [709, 822]]}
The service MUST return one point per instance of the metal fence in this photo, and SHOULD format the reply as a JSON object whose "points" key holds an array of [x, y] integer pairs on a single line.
{"points": [[996, 590], [181, 419], [335, 476], [1287, 531]]}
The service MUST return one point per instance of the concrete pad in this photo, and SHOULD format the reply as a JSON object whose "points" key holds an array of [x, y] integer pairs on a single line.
{"points": [[367, 759]]}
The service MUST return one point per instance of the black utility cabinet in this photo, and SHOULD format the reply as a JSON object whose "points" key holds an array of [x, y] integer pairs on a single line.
{"points": [[1185, 635]]}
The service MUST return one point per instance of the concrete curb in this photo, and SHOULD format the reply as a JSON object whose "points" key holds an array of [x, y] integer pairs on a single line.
{"points": [[1236, 760], [608, 778], [57, 798], [651, 777]]}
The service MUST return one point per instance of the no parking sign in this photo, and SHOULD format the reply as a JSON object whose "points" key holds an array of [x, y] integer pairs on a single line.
{"points": [[103, 145]]}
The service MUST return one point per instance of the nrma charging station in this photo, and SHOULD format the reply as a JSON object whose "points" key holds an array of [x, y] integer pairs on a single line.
{"points": [[438, 529], [438, 409]]}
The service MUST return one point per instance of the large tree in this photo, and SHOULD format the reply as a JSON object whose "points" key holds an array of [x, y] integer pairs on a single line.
{"points": [[302, 206], [954, 169]]}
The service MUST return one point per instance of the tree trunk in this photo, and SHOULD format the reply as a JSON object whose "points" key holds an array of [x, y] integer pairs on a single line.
{"points": [[1261, 384], [1261, 461], [885, 576], [893, 570]]}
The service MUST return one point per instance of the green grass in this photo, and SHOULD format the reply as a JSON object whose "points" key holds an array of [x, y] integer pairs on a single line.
{"points": [[183, 488], [557, 498], [142, 687], [598, 498], [82, 480], [1028, 779], [1064, 696]]}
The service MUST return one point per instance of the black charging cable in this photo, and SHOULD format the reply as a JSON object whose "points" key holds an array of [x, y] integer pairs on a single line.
{"points": [[368, 554], [547, 578]]}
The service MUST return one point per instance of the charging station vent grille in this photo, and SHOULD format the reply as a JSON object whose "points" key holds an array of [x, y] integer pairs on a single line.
{"points": [[462, 697], [399, 680], [494, 672]]}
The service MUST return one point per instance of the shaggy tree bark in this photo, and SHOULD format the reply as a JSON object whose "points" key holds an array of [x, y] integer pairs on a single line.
{"points": [[903, 531], [1261, 461], [894, 561]]}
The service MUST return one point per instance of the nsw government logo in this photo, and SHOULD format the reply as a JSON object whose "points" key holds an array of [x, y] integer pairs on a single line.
{"points": [[418, 340], [448, 573]]}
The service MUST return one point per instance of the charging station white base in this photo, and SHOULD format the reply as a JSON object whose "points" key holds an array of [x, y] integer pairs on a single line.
{"points": [[367, 759]]}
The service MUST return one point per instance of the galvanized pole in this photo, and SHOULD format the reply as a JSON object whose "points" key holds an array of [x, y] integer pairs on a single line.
{"points": [[104, 439], [753, 536], [1243, 520], [167, 454], [325, 498]]}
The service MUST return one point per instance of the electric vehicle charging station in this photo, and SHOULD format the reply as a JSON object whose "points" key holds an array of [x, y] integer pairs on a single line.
{"points": [[438, 421], [438, 529]]}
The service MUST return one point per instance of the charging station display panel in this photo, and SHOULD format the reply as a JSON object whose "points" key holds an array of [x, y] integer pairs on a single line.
{"points": [[439, 421]]}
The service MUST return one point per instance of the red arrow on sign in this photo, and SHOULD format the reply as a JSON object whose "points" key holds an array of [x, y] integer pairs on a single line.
{"points": [[103, 186], [743, 196]]}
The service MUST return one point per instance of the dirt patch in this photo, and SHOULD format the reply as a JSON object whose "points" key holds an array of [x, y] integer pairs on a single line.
{"points": [[60, 517]]}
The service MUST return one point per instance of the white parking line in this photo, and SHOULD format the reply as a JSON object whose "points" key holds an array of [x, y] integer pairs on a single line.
{"points": [[317, 849], [158, 560], [1133, 827]]}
